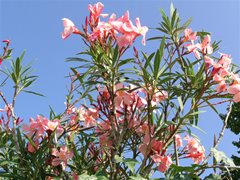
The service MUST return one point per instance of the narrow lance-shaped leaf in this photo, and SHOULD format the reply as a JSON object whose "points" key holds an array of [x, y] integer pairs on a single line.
{"points": [[158, 58]]}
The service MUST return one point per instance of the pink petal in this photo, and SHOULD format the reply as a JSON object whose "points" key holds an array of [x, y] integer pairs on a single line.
{"points": [[234, 89], [236, 97], [156, 158]]}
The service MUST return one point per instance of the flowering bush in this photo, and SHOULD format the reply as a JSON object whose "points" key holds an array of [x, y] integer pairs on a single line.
{"points": [[137, 114]]}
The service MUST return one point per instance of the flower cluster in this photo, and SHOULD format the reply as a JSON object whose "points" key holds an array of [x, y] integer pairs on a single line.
{"points": [[194, 150], [122, 30], [204, 47], [126, 118], [39, 129], [62, 155], [220, 69]]}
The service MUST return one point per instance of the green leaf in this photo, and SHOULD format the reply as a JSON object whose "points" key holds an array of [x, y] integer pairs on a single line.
{"points": [[213, 177], [180, 103], [182, 177], [172, 9], [118, 158], [131, 163], [173, 20], [35, 93], [22, 55], [10, 175], [115, 55], [158, 58], [125, 61], [87, 177], [195, 113], [187, 23], [138, 177], [74, 59], [221, 157], [183, 168], [198, 128], [148, 59]]}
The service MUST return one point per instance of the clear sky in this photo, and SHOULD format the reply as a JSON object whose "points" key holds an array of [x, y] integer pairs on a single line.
{"points": [[36, 26]]}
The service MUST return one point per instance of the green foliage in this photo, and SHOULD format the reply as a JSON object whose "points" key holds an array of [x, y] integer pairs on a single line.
{"points": [[213, 177], [233, 125], [175, 89]]}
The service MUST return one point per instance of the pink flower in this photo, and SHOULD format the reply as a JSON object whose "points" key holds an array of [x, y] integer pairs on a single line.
{"points": [[154, 147], [165, 162], [129, 32], [236, 79], [54, 125], [209, 61], [125, 40], [178, 140], [37, 127], [236, 98], [123, 24], [69, 28], [102, 30], [123, 97], [194, 150], [205, 46], [141, 30], [189, 35], [6, 41], [89, 116], [222, 87], [143, 148], [61, 156], [96, 10], [159, 96], [218, 78], [225, 60], [235, 90], [193, 48], [157, 146]]}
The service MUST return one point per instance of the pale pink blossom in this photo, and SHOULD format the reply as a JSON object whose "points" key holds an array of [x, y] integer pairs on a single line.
{"points": [[69, 28], [209, 61], [156, 146], [36, 128], [164, 161], [141, 30], [218, 78], [39, 127], [178, 140], [236, 98], [128, 31], [235, 90], [102, 31], [54, 125], [61, 156], [89, 116], [205, 46], [225, 60], [194, 150], [159, 96], [236, 79], [190, 35], [96, 11], [193, 48], [221, 87]]}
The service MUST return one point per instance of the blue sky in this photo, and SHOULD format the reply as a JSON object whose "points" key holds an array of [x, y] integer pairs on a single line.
{"points": [[36, 26]]}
